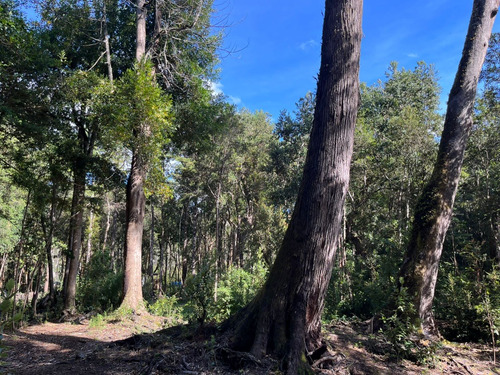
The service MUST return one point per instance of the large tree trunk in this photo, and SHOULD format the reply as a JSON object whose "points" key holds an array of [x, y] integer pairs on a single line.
{"points": [[434, 209], [136, 201], [284, 318]]}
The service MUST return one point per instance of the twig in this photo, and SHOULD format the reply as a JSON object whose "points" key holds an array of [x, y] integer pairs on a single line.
{"points": [[463, 365], [184, 363], [324, 359]]}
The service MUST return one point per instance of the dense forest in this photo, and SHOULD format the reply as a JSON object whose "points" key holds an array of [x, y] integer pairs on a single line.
{"points": [[127, 184]]}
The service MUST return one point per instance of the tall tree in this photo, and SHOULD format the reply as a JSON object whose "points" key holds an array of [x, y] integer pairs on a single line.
{"points": [[434, 209], [175, 26], [136, 201], [80, 96], [284, 318]]}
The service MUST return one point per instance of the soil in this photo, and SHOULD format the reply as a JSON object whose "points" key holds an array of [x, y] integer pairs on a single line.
{"points": [[139, 345]]}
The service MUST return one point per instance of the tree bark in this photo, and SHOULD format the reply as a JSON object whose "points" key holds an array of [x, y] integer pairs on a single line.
{"points": [[151, 246], [75, 237], [434, 209], [284, 318], [49, 236], [135, 200], [88, 254]]}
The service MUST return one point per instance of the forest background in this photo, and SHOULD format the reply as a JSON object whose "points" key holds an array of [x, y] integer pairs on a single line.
{"points": [[221, 181]]}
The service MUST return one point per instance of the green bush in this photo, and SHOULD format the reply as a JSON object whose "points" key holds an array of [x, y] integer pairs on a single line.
{"points": [[404, 335], [467, 302], [236, 288], [199, 294], [101, 288], [168, 307]]}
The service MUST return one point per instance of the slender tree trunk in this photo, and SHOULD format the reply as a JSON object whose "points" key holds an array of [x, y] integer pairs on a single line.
{"points": [[140, 47], [495, 234], [106, 44], [75, 238], [2, 269], [88, 254], [151, 246], [284, 318], [49, 234], [434, 209], [108, 224], [37, 288], [161, 264], [46, 286]]}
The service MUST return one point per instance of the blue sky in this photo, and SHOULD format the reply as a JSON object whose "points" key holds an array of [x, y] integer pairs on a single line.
{"points": [[276, 45]]}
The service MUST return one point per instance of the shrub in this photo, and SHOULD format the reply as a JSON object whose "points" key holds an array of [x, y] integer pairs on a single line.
{"points": [[237, 287], [168, 307], [101, 288]]}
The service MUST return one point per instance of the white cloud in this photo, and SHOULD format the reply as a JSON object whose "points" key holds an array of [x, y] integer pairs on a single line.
{"points": [[308, 45], [215, 87], [234, 99], [412, 55]]}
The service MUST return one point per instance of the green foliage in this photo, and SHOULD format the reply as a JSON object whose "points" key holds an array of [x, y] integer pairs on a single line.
{"points": [[6, 305], [394, 150], [237, 287], [101, 288], [169, 307], [7, 301], [402, 332], [139, 112], [288, 152], [199, 293], [467, 293], [97, 322], [139, 117]]}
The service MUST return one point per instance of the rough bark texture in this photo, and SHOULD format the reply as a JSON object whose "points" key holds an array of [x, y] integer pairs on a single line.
{"points": [[86, 139], [75, 238], [433, 212], [140, 47], [284, 318], [136, 201]]}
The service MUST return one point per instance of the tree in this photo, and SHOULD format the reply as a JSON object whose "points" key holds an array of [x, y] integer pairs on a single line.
{"points": [[72, 32], [80, 94], [143, 112], [434, 209], [284, 317], [174, 22], [394, 149]]}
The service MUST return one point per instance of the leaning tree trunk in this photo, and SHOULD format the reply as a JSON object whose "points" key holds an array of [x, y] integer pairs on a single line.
{"points": [[284, 318], [434, 208]]}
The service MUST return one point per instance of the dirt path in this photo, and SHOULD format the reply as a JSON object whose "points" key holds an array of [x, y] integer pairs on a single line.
{"points": [[66, 348], [138, 346]]}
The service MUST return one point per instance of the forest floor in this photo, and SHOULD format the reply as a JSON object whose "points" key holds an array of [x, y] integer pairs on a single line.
{"points": [[139, 345]]}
